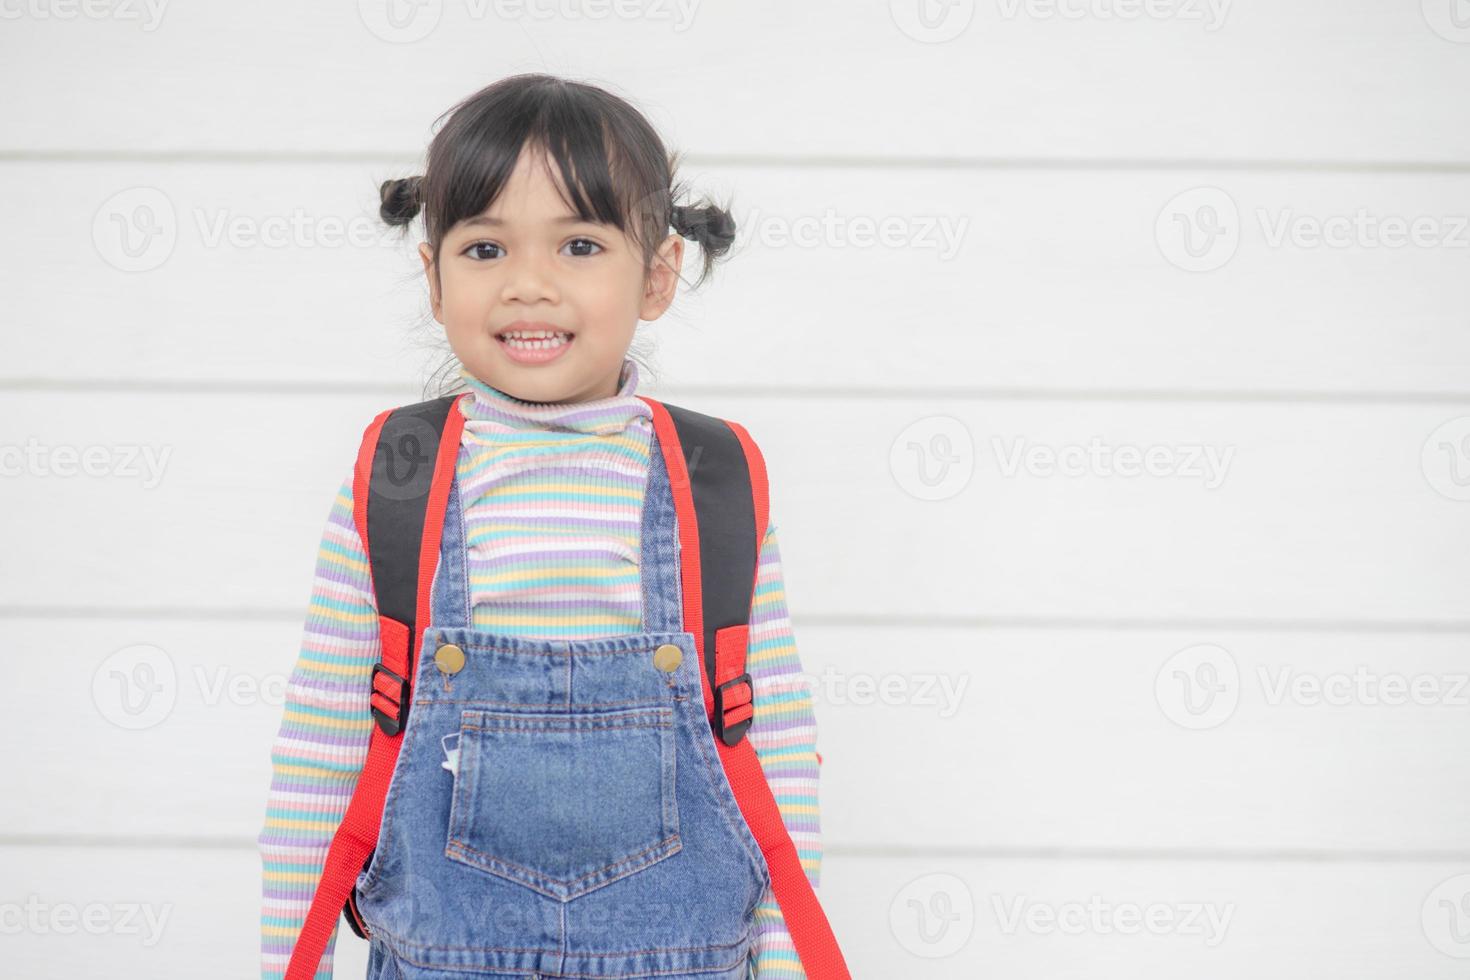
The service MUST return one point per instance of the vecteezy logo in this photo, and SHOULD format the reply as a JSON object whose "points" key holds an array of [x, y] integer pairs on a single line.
{"points": [[135, 687], [1445, 917], [403, 457], [1198, 687], [932, 21], [400, 21], [692, 455], [933, 915], [1198, 230], [934, 458], [1450, 19], [1445, 458], [135, 230]]}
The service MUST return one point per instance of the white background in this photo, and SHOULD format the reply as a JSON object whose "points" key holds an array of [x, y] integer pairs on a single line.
{"points": [[1235, 230]]}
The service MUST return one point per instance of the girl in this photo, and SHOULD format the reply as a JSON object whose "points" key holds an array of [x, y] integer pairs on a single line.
{"points": [[547, 208]]}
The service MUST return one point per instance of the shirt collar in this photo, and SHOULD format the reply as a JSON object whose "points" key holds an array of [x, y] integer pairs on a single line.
{"points": [[496, 410]]}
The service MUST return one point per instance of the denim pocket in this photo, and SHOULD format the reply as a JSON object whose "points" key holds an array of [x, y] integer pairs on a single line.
{"points": [[564, 801]]}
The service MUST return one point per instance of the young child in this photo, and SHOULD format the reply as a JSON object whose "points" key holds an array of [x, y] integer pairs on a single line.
{"points": [[547, 208]]}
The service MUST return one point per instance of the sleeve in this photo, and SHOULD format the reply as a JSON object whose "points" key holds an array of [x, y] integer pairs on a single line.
{"points": [[322, 741], [783, 733]]}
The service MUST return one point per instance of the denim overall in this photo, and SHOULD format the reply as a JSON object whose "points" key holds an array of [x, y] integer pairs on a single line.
{"points": [[589, 830]]}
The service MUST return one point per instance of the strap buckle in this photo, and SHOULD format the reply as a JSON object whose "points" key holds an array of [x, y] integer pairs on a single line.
{"points": [[390, 724], [731, 730]]}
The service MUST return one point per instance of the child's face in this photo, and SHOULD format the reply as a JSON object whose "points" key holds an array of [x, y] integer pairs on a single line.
{"points": [[529, 260]]}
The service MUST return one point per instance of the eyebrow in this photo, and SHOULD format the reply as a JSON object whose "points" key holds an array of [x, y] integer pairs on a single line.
{"points": [[566, 219]]}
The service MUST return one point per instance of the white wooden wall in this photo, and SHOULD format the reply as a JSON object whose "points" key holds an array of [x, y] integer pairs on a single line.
{"points": [[1024, 774]]}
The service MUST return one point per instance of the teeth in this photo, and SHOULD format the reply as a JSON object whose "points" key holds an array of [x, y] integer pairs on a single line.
{"points": [[536, 339]]}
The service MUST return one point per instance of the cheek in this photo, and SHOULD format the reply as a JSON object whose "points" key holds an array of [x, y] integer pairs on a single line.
{"points": [[622, 288], [462, 297], [599, 298]]}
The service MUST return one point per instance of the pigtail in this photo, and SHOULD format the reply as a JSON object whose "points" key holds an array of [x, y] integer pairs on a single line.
{"points": [[708, 224], [401, 200]]}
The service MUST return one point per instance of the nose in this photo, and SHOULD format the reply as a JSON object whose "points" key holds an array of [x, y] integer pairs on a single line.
{"points": [[528, 279]]}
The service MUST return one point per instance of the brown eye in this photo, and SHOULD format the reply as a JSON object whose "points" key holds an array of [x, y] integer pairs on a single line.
{"points": [[476, 250], [574, 243]]}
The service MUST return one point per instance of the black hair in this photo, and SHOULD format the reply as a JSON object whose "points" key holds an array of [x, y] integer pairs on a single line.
{"points": [[612, 162]]}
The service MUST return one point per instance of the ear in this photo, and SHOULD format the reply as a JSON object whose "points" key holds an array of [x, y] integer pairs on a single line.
{"points": [[663, 278], [435, 299]]}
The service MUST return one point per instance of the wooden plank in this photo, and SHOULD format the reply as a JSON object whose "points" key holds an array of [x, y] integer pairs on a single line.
{"points": [[881, 280], [1316, 512], [1306, 81], [1006, 740], [175, 913]]}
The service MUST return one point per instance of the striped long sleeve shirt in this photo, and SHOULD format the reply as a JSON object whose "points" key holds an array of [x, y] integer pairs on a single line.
{"points": [[552, 495]]}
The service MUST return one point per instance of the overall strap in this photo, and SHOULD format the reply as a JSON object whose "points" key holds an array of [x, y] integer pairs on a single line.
{"points": [[400, 486], [718, 479]]}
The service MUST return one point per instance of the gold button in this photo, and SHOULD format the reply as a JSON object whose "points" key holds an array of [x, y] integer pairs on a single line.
{"points": [[667, 657], [449, 659]]}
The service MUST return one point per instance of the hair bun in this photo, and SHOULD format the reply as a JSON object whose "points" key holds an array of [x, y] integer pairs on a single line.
{"points": [[711, 226], [401, 200]]}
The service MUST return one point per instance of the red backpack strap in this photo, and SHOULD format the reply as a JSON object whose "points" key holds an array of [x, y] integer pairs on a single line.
{"points": [[399, 491], [718, 478]]}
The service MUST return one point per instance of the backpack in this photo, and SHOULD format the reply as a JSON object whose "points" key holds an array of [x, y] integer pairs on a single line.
{"points": [[401, 483]]}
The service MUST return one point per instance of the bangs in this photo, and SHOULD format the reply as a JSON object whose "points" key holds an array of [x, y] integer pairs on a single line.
{"points": [[595, 173]]}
